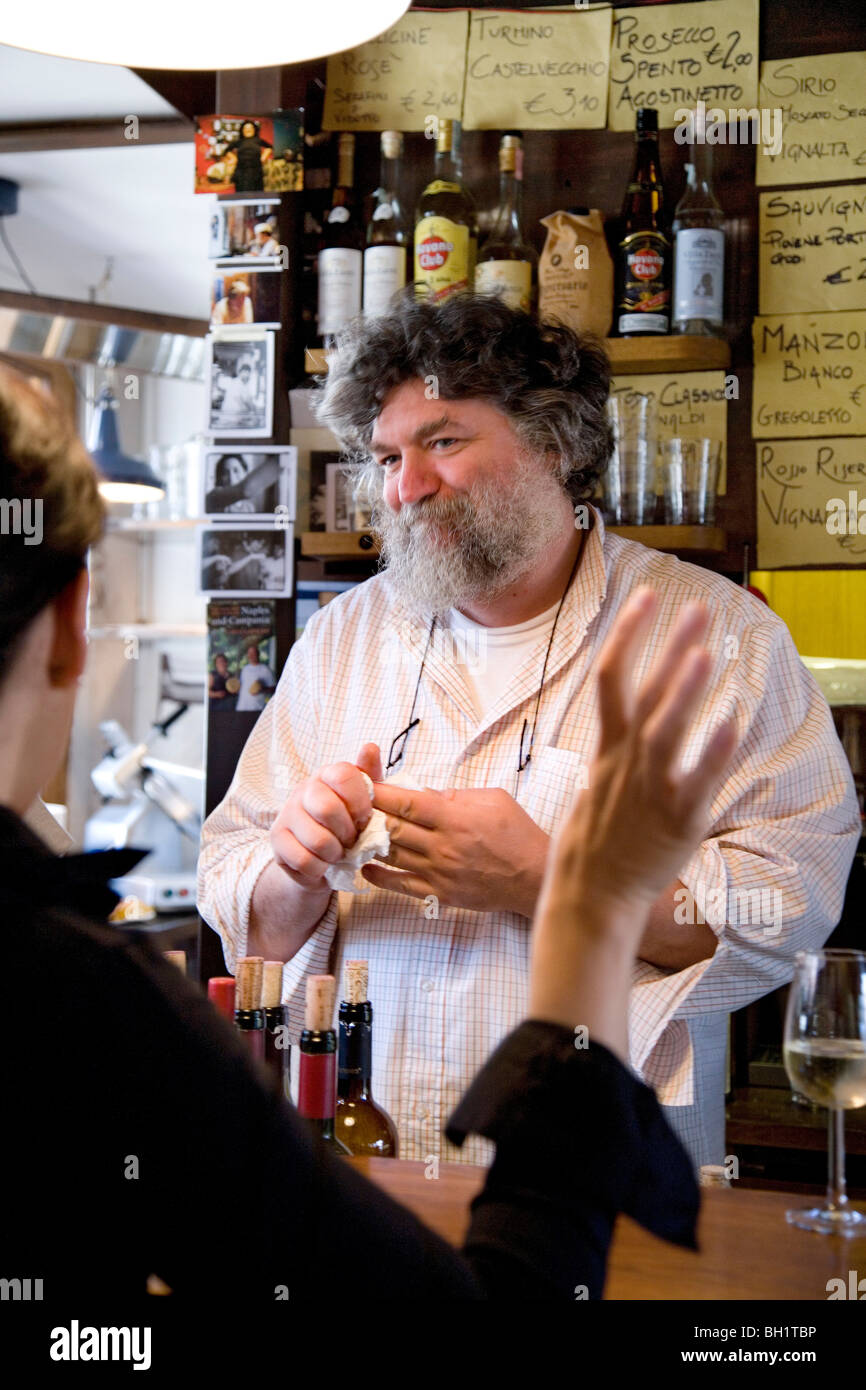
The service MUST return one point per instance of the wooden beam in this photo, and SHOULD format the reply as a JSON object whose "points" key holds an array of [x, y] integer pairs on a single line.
{"points": [[94, 135], [191, 93], [103, 313]]}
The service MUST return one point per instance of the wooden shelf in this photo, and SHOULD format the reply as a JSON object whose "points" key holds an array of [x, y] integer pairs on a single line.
{"points": [[677, 352], [339, 545], [362, 545]]}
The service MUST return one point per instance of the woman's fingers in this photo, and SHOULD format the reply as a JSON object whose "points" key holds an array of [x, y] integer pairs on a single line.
{"points": [[667, 727], [698, 786], [615, 663], [689, 628]]}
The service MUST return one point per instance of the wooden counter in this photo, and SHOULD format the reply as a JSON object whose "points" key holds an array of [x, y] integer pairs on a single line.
{"points": [[748, 1250]]}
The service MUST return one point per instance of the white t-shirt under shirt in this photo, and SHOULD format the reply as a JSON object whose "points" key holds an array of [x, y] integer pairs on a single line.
{"points": [[489, 656]]}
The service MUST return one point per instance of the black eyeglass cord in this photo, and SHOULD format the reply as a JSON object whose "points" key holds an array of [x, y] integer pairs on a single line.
{"points": [[404, 733]]}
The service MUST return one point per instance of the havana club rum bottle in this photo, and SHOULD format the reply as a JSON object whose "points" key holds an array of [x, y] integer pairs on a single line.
{"points": [[643, 264], [446, 226]]}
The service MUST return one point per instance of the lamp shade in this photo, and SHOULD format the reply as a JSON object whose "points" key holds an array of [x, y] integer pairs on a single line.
{"points": [[124, 479], [218, 35]]}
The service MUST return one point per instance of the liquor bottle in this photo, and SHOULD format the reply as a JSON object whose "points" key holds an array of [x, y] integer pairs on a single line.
{"points": [[446, 227], [221, 993], [278, 1052], [249, 1019], [317, 1061], [340, 258], [387, 236], [643, 263], [699, 252], [507, 265], [363, 1126]]}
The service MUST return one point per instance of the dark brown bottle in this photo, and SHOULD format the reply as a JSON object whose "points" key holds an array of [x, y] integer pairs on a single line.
{"points": [[278, 1052], [643, 262], [362, 1125]]}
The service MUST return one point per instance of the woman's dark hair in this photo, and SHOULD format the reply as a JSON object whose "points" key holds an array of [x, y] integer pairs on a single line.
{"points": [[45, 472], [550, 381], [221, 470]]}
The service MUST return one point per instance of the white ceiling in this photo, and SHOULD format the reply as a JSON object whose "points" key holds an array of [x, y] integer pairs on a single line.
{"points": [[78, 207]]}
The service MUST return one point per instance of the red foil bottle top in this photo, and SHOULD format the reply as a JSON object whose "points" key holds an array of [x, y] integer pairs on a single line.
{"points": [[221, 993], [317, 1075]]}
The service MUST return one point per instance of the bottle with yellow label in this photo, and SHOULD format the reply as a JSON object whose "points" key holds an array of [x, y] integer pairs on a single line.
{"points": [[508, 265], [446, 227]]}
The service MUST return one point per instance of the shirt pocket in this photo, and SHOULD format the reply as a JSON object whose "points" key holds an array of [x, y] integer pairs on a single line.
{"points": [[558, 776]]}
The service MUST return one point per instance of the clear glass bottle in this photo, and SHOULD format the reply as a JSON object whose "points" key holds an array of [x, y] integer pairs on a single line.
{"points": [[507, 265], [446, 225], [340, 257], [699, 252], [387, 236]]}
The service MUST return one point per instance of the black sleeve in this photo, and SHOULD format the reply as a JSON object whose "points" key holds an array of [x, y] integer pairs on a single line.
{"points": [[230, 1186]]}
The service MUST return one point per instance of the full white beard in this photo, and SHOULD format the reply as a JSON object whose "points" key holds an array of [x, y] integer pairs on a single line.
{"points": [[490, 538]]}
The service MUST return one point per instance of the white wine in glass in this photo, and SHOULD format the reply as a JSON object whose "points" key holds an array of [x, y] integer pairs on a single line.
{"points": [[825, 1058]]}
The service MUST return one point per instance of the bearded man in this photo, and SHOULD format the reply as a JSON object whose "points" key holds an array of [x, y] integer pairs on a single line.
{"points": [[467, 668]]}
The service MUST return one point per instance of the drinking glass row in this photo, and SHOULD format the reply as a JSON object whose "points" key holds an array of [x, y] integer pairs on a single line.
{"points": [[686, 474]]}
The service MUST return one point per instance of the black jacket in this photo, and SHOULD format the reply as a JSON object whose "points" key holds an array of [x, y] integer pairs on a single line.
{"points": [[142, 1139]]}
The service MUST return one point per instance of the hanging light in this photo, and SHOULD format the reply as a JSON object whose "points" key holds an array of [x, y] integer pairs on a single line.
{"points": [[168, 35], [124, 479]]}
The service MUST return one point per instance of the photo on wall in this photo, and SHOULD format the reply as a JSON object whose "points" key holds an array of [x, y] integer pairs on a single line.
{"points": [[242, 655], [245, 560], [243, 297], [250, 154], [258, 483], [245, 231], [241, 375]]}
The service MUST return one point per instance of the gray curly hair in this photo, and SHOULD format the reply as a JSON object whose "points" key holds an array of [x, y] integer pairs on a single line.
{"points": [[550, 381]]}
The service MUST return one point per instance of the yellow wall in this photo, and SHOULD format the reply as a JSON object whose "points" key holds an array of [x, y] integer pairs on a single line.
{"points": [[825, 610]]}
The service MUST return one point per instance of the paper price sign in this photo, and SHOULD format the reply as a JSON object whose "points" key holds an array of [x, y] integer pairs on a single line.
{"points": [[810, 375]]}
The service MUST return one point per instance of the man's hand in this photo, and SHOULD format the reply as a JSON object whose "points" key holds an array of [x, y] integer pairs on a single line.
{"points": [[324, 816], [475, 848]]}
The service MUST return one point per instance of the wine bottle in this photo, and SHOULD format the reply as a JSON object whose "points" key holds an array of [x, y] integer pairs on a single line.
{"points": [[507, 265], [699, 251], [340, 258], [363, 1126], [221, 993], [643, 262], [446, 227], [387, 237], [249, 1019], [317, 1061], [278, 1052]]}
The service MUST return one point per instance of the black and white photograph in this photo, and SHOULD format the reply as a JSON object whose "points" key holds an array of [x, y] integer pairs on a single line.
{"points": [[245, 560], [241, 386], [339, 506], [252, 483], [245, 232], [243, 297]]}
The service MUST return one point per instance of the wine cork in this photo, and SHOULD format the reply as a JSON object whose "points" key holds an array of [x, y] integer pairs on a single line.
{"points": [[355, 981], [249, 978], [321, 990], [177, 958], [272, 984], [392, 143]]}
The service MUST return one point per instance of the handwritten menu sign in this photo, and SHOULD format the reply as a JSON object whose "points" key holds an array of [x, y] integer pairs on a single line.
{"points": [[537, 69], [690, 404], [812, 249], [811, 502], [823, 105], [672, 56], [810, 375], [414, 70]]}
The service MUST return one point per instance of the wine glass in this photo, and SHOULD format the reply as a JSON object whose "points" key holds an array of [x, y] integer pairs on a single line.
{"points": [[825, 1058]]}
